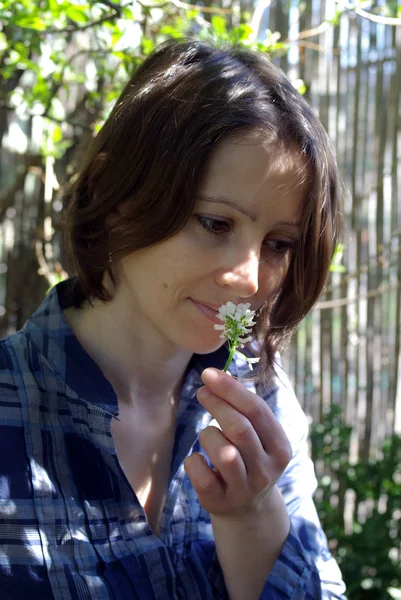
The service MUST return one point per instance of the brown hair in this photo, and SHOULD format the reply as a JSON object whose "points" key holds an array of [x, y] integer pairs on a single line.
{"points": [[151, 152]]}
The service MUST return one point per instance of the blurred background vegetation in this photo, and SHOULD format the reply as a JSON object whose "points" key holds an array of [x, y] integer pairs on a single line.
{"points": [[63, 64]]}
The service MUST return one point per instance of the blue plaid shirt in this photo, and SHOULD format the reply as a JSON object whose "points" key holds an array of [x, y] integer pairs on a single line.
{"points": [[71, 526]]}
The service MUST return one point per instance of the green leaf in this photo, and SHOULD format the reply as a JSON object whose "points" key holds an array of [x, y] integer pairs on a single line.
{"points": [[14, 57], [30, 23], [241, 34], [127, 13], [299, 85], [119, 54], [57, 134], [117, 35], [338, 269], [61, 147], [55, 7], [337, 16], [76, 13], [219, 25], [394, 593], [147, 45], [191, 14], [22, 49], [3, 41], [335, 266]]}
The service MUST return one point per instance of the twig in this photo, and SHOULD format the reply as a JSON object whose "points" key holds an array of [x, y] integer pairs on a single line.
{"points": [[60, 121], [108, 17], [393, 21], [302, 35], [115, 7], [382, 289], [317, 47], [185, 6]]}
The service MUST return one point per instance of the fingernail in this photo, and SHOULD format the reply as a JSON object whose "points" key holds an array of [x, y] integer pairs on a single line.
{"points": [[211, 373]]}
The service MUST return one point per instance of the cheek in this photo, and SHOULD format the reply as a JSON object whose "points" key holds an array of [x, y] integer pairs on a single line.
{"points": [[272, 276]]}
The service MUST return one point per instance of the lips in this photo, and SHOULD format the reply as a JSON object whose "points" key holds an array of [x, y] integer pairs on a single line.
{"points": [[207, 310]]}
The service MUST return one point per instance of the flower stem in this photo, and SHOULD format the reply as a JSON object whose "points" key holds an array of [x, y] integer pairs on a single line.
{"points": [[230, 356]]}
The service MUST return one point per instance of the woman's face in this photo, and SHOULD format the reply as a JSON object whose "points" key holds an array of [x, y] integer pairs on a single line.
{"points": [[236, 246]]}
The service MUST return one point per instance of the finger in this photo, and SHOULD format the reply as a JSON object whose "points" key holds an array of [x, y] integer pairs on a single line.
{"points": [[225, 456], [236, 428], [206, 482], [254, 408]]}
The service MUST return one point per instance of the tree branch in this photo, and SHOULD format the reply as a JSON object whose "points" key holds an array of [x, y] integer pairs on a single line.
{"points": [[108, 17], [382, 289], [393, 21], [54, 119], [112, 5], [195, 7]]}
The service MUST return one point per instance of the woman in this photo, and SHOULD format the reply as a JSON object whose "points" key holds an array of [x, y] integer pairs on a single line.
{"points": [[211, 181]]}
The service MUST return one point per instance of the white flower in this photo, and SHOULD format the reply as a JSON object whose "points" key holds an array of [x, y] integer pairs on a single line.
{"points": [[237, 324], [250, 361], [237, 321]]}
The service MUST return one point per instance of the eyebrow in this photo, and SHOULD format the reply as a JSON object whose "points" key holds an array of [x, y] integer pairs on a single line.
{"points": [[222, 200], [289, 224], [253, 217]]}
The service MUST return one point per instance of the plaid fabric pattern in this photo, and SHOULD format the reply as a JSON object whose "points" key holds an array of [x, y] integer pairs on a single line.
{"points": [[71, 526]]}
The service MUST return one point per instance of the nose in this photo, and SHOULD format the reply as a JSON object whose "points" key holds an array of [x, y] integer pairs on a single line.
{"points": [[242, 276]]}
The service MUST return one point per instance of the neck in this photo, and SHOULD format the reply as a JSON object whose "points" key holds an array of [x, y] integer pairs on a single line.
{"points": [[139, 369]]}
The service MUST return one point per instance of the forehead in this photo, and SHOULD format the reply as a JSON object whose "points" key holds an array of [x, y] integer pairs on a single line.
{"points": [[254, 168]]}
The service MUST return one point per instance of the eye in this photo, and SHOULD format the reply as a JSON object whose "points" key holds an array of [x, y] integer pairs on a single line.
{"points": [[213, 226], [280, 246]]}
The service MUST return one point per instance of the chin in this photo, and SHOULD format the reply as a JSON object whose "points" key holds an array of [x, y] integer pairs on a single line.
{"points": [[206, 347]]}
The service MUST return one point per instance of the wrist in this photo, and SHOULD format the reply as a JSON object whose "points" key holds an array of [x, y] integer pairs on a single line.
{"points": [[267, 513], [249, 545]]}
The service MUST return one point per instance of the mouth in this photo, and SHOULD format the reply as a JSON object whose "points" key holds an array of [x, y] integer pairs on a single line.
{"points": [[208, 311]]}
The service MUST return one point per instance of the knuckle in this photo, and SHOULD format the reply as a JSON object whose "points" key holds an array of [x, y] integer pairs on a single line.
{"points": [[258, 409], [240, 431], [207, 434], [284, 456], [258, 412], [205, 486], [228, 455]]}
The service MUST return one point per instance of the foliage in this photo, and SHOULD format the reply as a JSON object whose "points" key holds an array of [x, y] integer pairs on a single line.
{"points": [[67, 60], [336, 266], [389, 8], [367, 544]]}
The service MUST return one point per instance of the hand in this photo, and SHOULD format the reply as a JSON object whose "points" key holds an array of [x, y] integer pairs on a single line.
{"points": [[250, 452]]}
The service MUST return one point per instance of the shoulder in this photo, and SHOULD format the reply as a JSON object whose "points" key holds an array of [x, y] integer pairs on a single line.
{"points": [[13, 465], [15, 378], [23, 361], [11, 354], [11, 406]]}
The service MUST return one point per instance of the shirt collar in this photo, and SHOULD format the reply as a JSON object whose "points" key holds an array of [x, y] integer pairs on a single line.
{"points": [[48, 330]]}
